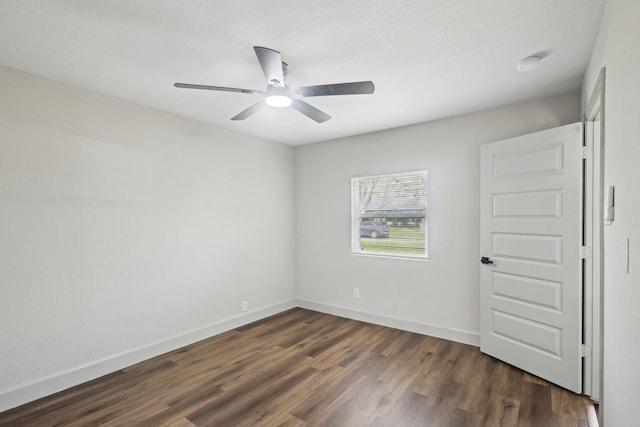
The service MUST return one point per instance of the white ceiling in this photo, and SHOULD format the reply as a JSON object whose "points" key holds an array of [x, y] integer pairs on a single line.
{"points": [[429, 59]]}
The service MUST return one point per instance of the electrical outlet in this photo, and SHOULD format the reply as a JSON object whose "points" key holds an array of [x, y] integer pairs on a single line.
{"points": [[245, 305], [356, 292]]}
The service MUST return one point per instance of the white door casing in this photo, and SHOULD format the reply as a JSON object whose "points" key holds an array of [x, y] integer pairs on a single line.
{"points": [[531, 231], [593, 237]]}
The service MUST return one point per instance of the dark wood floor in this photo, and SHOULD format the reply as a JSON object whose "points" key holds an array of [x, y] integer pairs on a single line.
{"points": [[303, 368]]}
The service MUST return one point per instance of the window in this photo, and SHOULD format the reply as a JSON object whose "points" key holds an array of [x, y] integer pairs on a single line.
{"points": [[389, 215]]}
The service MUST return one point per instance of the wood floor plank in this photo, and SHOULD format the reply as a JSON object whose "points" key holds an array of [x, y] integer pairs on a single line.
{"points": [[501, 412], [346, 409], [411, 409], [488, 378], [535, 404], [303, 368], [309, 409], [233, 408], [272, 413], [240, 396]]}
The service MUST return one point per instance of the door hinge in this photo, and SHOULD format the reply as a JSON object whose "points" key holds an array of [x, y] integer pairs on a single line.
{"points": [[586, 252], [585, 350], [587, 152]]}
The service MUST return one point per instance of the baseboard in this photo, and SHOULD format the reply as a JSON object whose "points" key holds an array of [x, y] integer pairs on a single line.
{"points": [[465, 337], [24, 393], [28, 392]]}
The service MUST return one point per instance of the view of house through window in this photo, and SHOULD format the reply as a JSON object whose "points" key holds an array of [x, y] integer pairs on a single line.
{"points": [[389, 215]]}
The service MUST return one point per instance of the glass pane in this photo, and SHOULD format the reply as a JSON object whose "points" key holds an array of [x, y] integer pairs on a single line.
{"points": [[392, 214]]}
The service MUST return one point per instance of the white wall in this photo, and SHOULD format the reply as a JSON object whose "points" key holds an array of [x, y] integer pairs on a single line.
{"points": [[126, 232], [439, 296], [618, 48]]}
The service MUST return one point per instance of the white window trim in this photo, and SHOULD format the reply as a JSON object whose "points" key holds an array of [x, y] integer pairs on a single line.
{"points": [[355, 221]]}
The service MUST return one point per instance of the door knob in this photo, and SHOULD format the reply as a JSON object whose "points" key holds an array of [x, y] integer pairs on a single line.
{"points": [[486, 260]]}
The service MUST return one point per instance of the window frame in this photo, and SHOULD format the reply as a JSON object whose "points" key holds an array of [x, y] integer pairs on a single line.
{"points": [[356, 218]]}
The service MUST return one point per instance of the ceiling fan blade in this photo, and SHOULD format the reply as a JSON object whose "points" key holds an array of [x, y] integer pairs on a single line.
{"points": [[354, 88], [249, 111], [271, 63], [219, 88], [310, 111]]}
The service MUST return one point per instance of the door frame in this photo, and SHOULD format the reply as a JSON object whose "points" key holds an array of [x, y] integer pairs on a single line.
{"points": [[593, 238]]}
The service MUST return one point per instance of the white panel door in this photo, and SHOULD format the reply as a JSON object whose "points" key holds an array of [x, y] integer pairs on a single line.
{"points": [[531, 234]]}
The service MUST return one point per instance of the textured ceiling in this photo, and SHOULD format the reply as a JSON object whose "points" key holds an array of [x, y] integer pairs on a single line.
{"points": [[429, 59]]}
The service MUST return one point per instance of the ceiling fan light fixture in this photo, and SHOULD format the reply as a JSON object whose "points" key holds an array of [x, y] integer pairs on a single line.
{"points": [[278, 101]]}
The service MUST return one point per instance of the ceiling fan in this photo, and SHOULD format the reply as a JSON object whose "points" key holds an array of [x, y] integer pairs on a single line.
{"points": [[278, 94]]}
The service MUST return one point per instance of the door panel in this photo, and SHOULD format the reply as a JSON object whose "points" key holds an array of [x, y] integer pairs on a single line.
{"points": [[526, 247], [529, 204], [539, 336], [531, 222], [528, 161], [543, 293]]}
